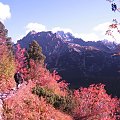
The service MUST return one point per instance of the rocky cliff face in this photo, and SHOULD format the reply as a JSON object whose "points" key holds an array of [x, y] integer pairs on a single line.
{"points": [[80, 63]]}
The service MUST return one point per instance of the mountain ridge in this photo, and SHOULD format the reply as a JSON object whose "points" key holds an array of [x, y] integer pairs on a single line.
{"points": [[80, 63]]}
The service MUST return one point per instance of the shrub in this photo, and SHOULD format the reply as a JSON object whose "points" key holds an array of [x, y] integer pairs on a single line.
{"points": [[93, 103], [63, 103], [24, 105]]}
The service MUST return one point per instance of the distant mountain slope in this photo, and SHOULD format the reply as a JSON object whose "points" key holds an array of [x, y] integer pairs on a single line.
{"points": [[80, 63]]}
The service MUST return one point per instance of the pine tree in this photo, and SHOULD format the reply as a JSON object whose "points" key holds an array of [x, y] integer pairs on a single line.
{"points": [[35, 52]]}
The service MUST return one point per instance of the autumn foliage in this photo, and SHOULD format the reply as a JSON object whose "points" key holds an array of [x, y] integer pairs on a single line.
{"points": [[7, 67], [93, 103], [52, 99], [26, 106], [42, 77], [20, 61]]}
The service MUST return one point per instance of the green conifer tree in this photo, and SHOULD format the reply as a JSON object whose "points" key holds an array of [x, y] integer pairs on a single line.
{"points": [[35, 52]]}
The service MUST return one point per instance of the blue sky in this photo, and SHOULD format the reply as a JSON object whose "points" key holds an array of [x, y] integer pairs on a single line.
{"points": [[86, 19]]}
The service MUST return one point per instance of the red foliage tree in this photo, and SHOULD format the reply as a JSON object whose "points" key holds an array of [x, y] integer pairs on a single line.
{"points": [[93, 103], [41, 76], [20, 60]]}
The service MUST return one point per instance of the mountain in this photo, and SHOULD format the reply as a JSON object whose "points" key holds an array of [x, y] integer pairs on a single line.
{"points": [[78, 62]]}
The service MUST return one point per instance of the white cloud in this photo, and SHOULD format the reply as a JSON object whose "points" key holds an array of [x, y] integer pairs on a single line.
{"points": [[55, 29], [31, 26], [97, 32], [102, 28], [35, 26], [87, 37], [116, 37], [4, 12], [40, 27]]}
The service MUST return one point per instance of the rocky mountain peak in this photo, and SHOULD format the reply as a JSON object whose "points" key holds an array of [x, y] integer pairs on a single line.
{"points": [[80, 63]]}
